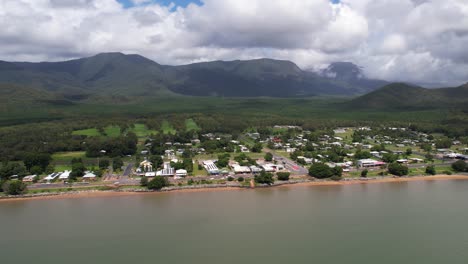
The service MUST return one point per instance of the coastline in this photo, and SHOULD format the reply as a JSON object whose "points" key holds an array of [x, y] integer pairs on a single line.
{"points": [[120, 193]]}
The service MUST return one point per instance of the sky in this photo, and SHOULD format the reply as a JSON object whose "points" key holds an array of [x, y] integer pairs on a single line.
{"points": [[418, 41]]}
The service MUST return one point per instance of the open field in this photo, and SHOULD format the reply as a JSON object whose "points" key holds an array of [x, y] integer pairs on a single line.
{"points": [[142, 131], [167, 128], [191, 125], [90, 132], [68, 156]]}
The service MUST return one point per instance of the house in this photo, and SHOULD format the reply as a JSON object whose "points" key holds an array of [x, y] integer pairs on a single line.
{"points": [[240, 169], [52, 176], [144, 152], [181, 173], [255, 169], [29, 178], [369, 163], [65, 175], [402, 161], [290, 150], [146, 166], [89, 176]]}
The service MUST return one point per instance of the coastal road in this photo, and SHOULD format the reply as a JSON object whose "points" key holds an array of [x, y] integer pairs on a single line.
{"points": [[128, 170], [289, 164]]}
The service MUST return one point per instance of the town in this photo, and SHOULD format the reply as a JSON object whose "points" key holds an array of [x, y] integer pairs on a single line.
{"points": [[257, 157]]}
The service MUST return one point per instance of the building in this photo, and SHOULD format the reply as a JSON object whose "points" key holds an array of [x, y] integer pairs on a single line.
{"points": [[181, 173], [167, 171], [150, 174], [146, 166], [210, 167], [89, 176], [52, 176], [370, 163], [65, 175], [240, 169], [29, 178]]}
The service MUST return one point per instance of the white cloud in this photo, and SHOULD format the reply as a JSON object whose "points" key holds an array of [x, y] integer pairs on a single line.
{"points": [[413, 40]]}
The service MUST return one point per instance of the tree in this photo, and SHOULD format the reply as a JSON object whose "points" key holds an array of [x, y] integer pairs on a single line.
{"points": [[117, 164], [158, 183], [264, 178], [36, 170], [283, 176], [364, 173], [408, 152], [14, 187], [389, 157], [337, 171], [12, 169], [104, 164], [431, 170], [268, 156], [257, 148], [398, 169], [144, 181], [320, 171], [459, 166], [78, 170], [156, 160], [50, 169], [362, 154], [36, 159]]}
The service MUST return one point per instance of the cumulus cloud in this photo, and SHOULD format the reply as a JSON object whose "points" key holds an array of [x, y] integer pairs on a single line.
{"points": [[405, 40]]}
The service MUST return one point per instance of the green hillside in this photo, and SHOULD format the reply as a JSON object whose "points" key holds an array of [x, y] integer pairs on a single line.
{"points": [[404, 96], [108, 76]]}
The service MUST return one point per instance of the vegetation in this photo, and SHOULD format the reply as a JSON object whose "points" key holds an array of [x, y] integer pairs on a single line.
{"points": [[283, 176], [264, 178], [431, 170], [320, 171], [459, 166], [14, 187], [157, 183], [398, 169]]}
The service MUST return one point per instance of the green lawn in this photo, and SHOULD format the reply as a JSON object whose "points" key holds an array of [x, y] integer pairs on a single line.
{"points": [[67, 156], [59, 168], [142, 131], [112, 131], [167, 128], [90, 132], [191, 125]]}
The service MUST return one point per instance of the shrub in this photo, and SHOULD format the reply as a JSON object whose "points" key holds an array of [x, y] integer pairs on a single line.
{"points": [[264, 178], [230, 178], [397, 169], [459, 166], [14, 187], [283, 176], [431, 170], [158, 183], [336, 178], [364, 173], [447, 172], [144, 181], [240, 179], [320, 171]]}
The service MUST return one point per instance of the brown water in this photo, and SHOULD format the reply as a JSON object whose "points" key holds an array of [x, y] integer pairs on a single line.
{"points": [[414, 222]]}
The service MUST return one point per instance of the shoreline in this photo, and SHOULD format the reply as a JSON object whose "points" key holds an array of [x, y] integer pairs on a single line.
{"points": [[120, 193]]}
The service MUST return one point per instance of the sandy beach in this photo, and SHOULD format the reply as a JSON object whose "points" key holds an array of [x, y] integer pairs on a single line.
{"points": [[97, 194]]}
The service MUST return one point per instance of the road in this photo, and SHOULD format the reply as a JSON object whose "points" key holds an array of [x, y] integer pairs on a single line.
{"points": [[289, 164]]}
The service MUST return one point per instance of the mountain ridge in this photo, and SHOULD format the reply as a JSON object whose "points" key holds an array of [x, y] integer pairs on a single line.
{"points": [[119, 74]]}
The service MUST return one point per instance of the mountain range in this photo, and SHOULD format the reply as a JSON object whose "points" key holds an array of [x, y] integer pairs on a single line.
{"points": [[120, 75]]}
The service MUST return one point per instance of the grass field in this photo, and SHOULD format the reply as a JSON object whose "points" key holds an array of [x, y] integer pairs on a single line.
{"points": [[191, 125], [112, 131], [67, 156], [167, 128], [142, 131]]}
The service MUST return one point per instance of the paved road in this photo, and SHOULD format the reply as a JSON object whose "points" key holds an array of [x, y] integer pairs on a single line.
{"points": [[289, 164], [128, 170]]}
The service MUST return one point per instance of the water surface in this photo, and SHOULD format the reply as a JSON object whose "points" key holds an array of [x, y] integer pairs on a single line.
{"points": [[412, 222]]}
